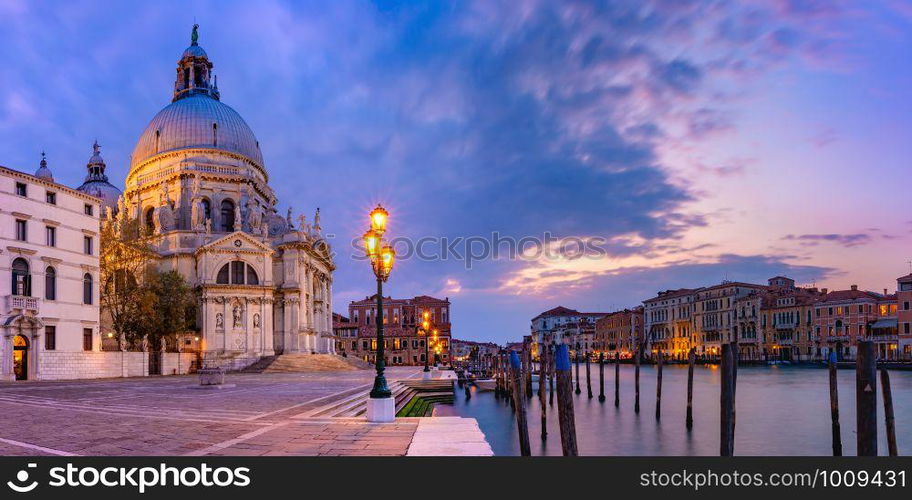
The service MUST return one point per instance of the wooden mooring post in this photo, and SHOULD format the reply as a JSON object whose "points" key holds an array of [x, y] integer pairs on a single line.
{"points": [[565, 401], [527, 371], [551, 375], [617, 379], [834, 406], [588, 379], [636, 379], [866, 399], [659, 385], [727, 403], [888, 411], [542, 376], [736, 354], [689, 419], [601, 377], [521, 425], [576, 360]]}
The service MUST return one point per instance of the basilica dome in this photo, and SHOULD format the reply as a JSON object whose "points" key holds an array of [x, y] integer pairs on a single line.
{"points": [[197, 121], [196, 117]]}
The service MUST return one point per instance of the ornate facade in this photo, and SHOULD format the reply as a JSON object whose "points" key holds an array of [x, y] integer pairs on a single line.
{"points": [[197, 179]]}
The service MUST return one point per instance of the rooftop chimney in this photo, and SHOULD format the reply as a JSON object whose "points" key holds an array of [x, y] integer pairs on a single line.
{"points": [[885, 291], [854, 287], [824, 290]]}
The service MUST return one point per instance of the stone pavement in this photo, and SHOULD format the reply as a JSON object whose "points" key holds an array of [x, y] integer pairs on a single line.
{"points": [[263, 414]]}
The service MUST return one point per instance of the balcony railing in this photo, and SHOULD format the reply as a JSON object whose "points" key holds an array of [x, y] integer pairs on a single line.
{"points": [[22, 302]]}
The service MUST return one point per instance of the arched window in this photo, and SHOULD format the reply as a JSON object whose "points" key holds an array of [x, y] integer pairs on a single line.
{"points": [[227, 216], [207, 208], [87, 288], [149, 218], [50, 283], [22, 282], [237, 273]]}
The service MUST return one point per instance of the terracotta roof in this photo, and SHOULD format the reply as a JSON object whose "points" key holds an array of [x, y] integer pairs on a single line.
{"points": [[843, 295], [905, 278]]}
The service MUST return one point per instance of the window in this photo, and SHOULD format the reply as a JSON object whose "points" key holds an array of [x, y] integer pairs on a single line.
{"points": [[50, 197], [51, 236], [906, 305], [86, 339], [88, 209], [87, 289], [150, 218], [50, 338], [234, 273], [87, 245], [227, 216], [20, 189], [207, 208], [21, 281], [906, 328], [21, 227], [50, 283]]}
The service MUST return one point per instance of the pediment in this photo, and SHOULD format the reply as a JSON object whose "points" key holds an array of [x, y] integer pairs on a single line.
{"points": [[237, 241]]}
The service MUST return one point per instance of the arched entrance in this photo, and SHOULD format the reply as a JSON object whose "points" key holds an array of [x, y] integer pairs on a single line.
{"points": [[20, 357]]}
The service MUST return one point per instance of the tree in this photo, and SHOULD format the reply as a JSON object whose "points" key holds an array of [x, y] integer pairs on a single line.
{"points": [[126, 257], [170, 304]]}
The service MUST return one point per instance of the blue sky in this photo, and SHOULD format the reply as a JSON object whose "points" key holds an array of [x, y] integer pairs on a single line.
{"points": [[702, 140]]}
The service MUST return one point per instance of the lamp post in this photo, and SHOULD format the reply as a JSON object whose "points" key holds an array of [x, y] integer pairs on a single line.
{"points": [[380, 406], [426, 326]]}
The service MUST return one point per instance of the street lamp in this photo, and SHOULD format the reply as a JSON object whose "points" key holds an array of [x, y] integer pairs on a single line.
{"points": [[380, 406], [426, 327]]}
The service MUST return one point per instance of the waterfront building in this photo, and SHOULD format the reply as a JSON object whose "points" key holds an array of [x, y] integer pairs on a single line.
{"points": [[904, 315], [468, 350], [668, 322], [404, 339], [784, 314], [49, 267], [715, 314], [843, 317], [198, 182], [554, 326], [344, 332], [619, 332]]}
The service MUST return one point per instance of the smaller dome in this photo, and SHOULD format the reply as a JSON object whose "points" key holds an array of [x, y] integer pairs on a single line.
{"points": [[96, 182], [194, 51], [43, 171]]}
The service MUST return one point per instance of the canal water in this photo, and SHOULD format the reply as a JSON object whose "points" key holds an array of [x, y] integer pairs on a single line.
{"points": [[781, 410]]}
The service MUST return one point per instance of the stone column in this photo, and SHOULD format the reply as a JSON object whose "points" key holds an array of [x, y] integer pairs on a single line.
{"points": [[6, 356]]}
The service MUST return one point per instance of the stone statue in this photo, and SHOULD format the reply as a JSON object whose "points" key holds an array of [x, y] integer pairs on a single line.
{"points": [[288, 218], [236, 314], [256, 320], [254, 217], [208, 226], [316, 226], [219, 321], [302, 223], [237, 217], [165, 212]]}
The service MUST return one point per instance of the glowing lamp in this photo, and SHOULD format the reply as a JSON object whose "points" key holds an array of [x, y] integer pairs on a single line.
{"points": [[372, 244], [378, 217]]}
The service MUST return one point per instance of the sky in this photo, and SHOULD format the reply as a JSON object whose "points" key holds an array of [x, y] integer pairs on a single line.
{"points": [[647, 145]]}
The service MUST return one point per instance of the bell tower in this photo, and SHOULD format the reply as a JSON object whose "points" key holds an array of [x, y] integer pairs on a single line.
{"points": [[194, 71]]}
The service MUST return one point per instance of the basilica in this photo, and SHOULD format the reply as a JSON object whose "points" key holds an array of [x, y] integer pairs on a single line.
{"points": [[197, 180]]}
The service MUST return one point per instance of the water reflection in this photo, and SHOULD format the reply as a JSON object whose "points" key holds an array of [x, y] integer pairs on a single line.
{"points": [[781, 410]]}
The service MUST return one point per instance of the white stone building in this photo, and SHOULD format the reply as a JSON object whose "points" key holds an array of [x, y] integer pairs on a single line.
{"points": [[197, 178], [49, 274]]}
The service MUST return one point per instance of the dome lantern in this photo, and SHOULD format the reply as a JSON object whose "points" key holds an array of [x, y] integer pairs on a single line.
{"points": [[96, 181], [194, 71]]}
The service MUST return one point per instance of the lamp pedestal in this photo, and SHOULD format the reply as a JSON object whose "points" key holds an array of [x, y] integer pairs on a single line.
{"points": [[381, 410]]}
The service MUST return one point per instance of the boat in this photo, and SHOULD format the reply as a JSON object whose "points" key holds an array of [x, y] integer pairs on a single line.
{"points": [[487, 384]]}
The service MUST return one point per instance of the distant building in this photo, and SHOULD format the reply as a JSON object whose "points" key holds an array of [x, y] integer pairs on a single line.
{"points": [[563, 325], [783, 315], [49, 265], [714, 320], [904, 315], [467, 350], [344, 330], [405, 341], [668, 322], [843, 317], [619, 333]]}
